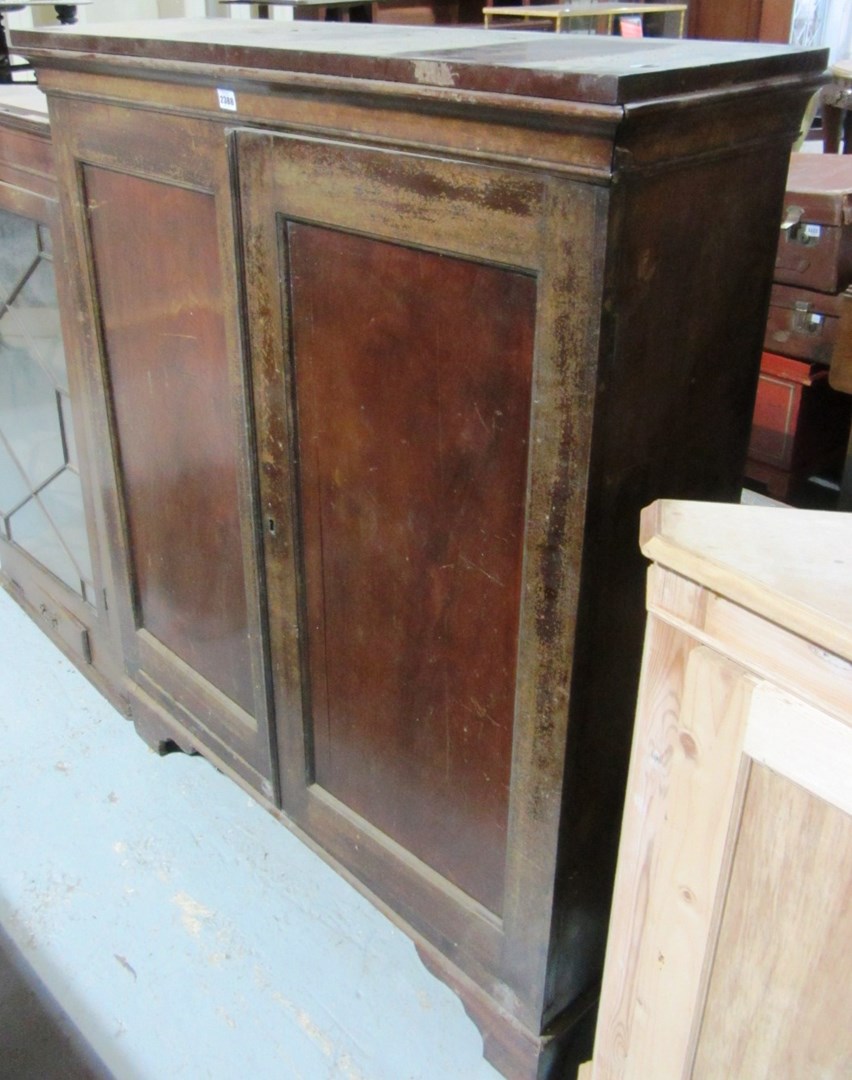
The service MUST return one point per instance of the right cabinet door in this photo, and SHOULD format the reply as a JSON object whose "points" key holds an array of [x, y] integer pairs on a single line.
{"points": [[423, 351]]}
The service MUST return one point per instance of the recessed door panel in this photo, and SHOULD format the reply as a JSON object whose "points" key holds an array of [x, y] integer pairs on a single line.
{"points": [[411, 372], [163, 326]]}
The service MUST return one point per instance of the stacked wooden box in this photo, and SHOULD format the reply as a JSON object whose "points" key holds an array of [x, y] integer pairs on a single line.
{"points": [[800, 423]]}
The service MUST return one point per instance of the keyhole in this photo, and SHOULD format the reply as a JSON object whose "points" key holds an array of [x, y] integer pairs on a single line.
{"points": [[271, 524]]}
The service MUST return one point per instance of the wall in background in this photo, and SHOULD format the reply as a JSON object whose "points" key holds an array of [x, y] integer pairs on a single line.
{"points": [[838, 29], [128, 11]]}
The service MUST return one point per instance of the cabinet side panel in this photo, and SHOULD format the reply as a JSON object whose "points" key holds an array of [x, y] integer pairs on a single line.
{"points": [[165, 341], [776, 1000], [412, 376], [684, 310]]}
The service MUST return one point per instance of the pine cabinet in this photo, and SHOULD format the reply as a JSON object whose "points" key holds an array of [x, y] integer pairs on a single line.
{"points": [[389, 334], [730, 942]]}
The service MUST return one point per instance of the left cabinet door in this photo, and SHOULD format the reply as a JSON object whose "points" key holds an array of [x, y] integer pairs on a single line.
{"points": [[48, 548], [150, 211]]}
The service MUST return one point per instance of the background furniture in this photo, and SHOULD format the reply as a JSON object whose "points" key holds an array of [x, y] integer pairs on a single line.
{"points": [[368, 537], [604, 15], [836, 102], [840, 378], [801, 424], [730, 940], [754, 20], [334, 10], [398, 12], [66, 14]]}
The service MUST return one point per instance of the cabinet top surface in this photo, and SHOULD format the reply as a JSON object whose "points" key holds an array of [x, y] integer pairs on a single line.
{"points": [[599, 69], [794, 567]]}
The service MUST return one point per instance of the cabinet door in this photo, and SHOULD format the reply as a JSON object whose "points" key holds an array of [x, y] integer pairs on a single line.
{"points": [[46, 533], [423, 339], [152, 212]]}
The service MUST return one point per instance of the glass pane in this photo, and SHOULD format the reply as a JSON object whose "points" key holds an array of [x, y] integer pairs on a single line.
{"points": [[18, 249], [13, 487], [31, 529], [29, 409], [36, 430], [38, 318], [63, 501]]}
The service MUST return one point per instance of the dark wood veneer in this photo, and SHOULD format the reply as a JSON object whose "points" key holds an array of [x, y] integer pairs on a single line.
{"points": [[164, 338], [412, 492]]}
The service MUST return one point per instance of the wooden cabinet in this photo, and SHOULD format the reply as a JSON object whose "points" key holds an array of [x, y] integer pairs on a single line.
{"points": [[729, 945], [389, 334]]}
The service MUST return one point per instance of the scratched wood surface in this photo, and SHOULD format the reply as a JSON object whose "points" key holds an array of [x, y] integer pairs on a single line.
{"points": [[603, 70]]}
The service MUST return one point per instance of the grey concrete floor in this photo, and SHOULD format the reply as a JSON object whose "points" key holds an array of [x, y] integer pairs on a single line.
{"points": [[184, 931]]}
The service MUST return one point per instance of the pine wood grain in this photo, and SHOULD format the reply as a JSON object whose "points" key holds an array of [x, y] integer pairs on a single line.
{"points": [[778, 1002], [726, 549], [683, 792]]}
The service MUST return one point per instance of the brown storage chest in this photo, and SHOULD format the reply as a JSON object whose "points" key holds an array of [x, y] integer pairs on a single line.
{"points": [[815, 248], [802, 323]]}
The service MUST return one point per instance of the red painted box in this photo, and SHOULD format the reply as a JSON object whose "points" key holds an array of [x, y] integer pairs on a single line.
{"points": [[798, 419]]}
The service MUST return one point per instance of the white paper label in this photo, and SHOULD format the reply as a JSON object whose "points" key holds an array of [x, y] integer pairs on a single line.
{"points": [[227, 100], [813, 232]]}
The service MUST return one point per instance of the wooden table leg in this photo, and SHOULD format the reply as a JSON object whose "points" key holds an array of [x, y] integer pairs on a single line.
{"points": [[837, 111], [5, 62], [844, 499], [832, 126], [66, 14]]}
